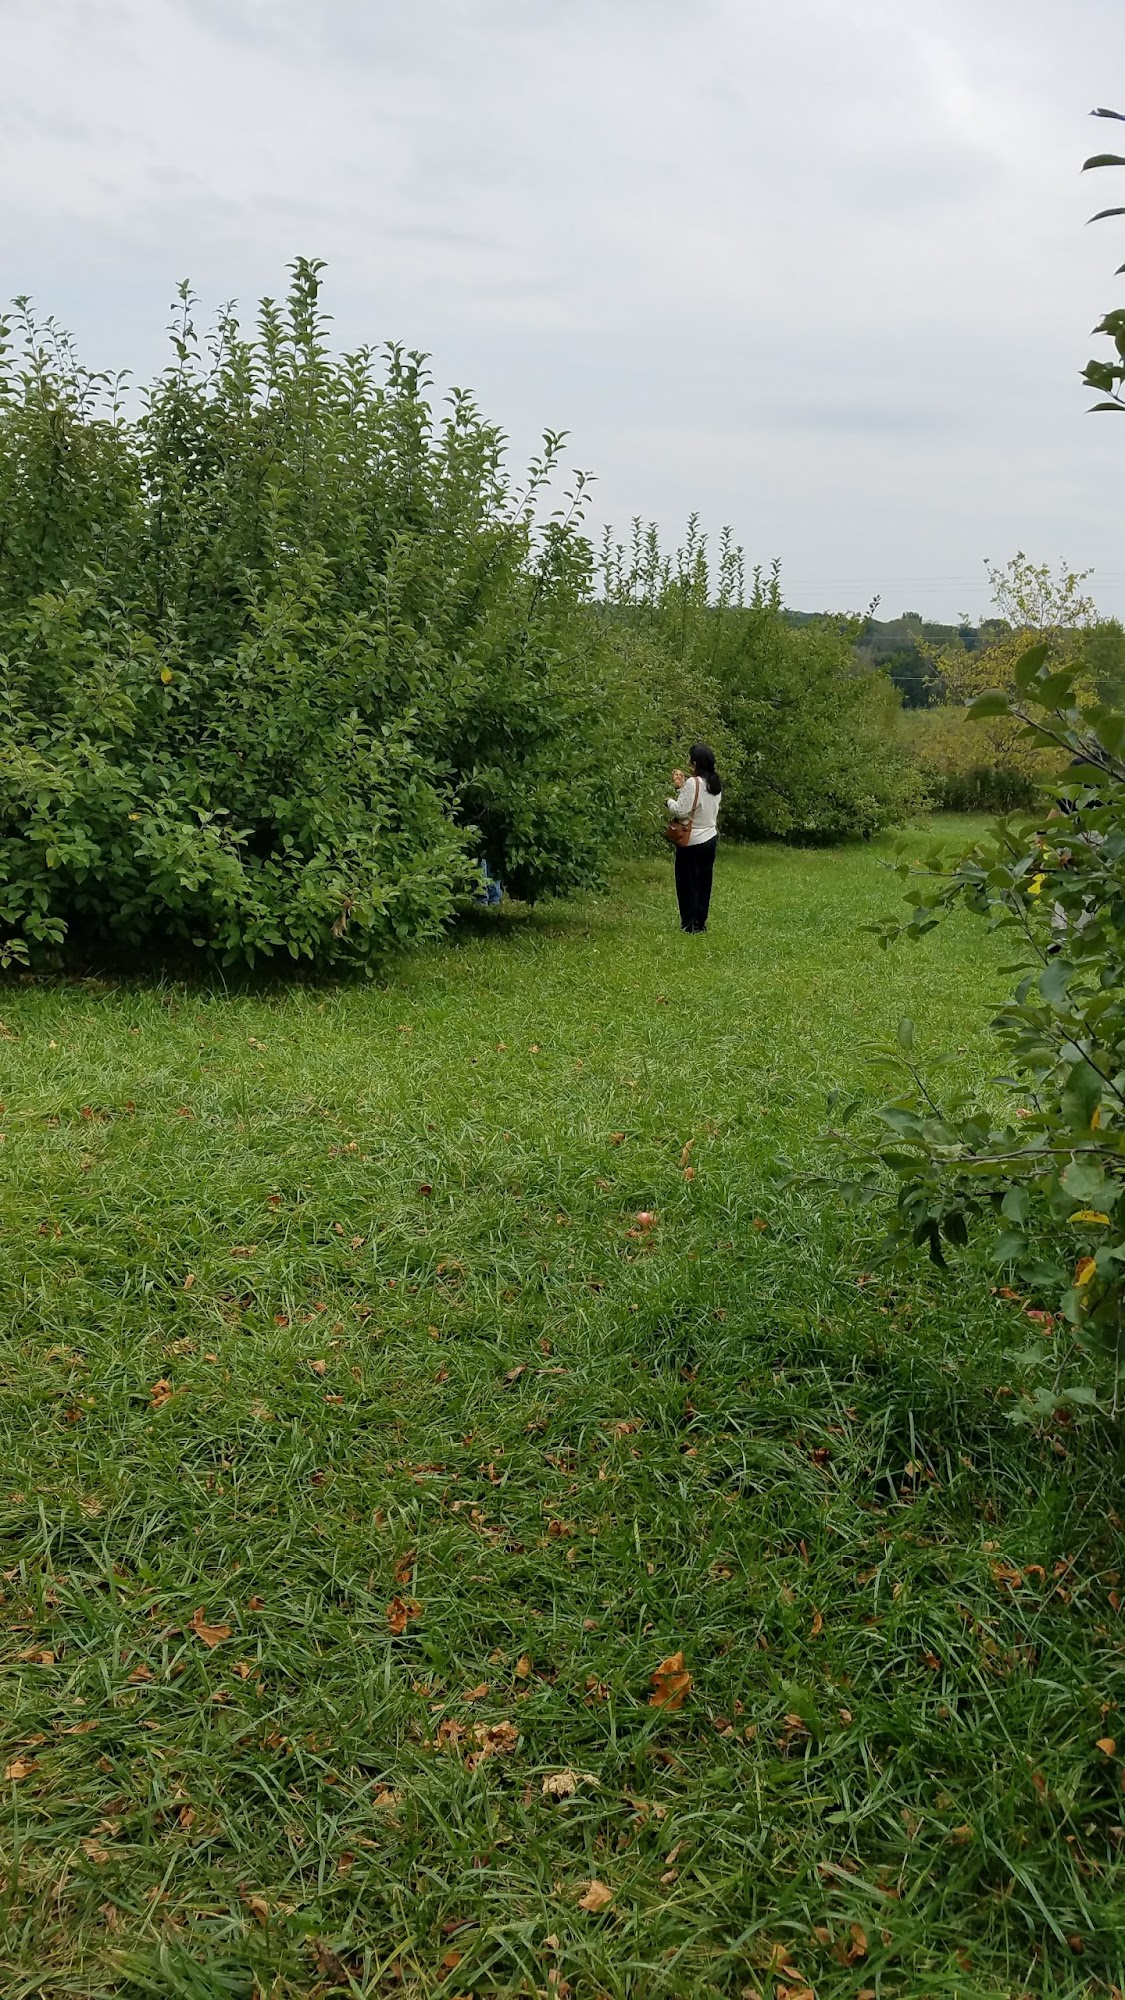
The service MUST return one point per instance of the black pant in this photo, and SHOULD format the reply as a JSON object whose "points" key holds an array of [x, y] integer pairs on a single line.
{"points": [[695, 867]]}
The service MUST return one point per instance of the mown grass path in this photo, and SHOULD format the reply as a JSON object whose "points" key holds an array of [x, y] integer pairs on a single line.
{"points": [[363, 1460]]}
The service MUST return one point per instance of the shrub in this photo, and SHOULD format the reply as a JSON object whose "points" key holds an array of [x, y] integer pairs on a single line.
{"points": [[284, 656]]}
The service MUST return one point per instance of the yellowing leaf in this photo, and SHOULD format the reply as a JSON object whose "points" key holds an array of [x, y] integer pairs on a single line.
{"points": [[211, 1635], [1035, 884], [1089, 1215], [1108, 1745], [1084, 1271], [598, 1896]]}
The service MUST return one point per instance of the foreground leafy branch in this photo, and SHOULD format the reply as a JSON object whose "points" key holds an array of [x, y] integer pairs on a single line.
{"points": [[1043, 1165]]}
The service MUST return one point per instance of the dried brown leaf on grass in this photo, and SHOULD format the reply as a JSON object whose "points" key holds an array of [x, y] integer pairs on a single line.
{"points": [[671, 1683], [327, 1963], [598, 1896], [564, 1784], [160, 1393], [852, 1947], [211, 1635], [400, 1611], [496, 1739]]}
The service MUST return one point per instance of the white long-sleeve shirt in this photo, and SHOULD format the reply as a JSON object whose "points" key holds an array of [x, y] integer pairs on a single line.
{"points": [[705, 824]]}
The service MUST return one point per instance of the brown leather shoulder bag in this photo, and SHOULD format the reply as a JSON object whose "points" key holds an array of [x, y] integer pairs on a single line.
{"points": [[678, 831]]}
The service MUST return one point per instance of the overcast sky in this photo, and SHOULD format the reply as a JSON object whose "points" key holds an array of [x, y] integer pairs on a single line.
{"points": [[816, 268]]}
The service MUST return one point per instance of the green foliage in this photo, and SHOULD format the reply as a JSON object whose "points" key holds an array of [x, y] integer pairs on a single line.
{"points": [[974, 766], [283, 657], [1043, 1160], [805, 738], [962, 771]]}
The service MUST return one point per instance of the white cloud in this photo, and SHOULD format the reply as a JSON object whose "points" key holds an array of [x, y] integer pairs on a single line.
{"points": [[819, 270]]}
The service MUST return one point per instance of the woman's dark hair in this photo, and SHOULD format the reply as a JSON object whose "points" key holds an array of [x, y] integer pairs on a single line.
{"points": [[703, 757]]}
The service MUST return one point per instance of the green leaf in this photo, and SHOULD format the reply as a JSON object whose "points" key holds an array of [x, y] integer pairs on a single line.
{"points": [[992, 702], [1029, 663], [905, 1032], [1081, 1096], [906, 1122], [1086, 1184], [1052, 692], [1009, 1247], [1102, 160], [1054, 980]]}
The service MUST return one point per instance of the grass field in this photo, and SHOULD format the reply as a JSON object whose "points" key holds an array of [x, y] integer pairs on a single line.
{"points": [[364, 1459]]}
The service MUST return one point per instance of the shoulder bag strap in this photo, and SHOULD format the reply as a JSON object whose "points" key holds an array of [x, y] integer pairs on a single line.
{"points": [[694, 807]]}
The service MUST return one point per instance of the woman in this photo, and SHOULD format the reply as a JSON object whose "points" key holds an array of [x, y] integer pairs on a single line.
{"points": [[698, 800]]}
